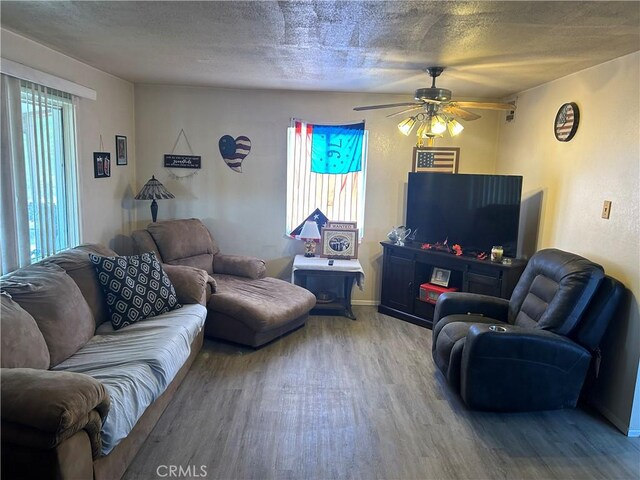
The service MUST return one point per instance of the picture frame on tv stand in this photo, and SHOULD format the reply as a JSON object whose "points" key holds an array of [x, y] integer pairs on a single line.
{"points": [[436, 159], [440, 276]]}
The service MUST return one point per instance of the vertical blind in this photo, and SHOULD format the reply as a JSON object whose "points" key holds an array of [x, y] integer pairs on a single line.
{"points": [[339, 196], [39, 173]]}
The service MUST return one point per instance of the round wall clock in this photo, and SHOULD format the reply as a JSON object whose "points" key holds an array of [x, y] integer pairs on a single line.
{"points": [[566, 123]]}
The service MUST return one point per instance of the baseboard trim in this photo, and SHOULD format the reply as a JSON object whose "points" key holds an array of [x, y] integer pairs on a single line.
{"points": [[615, 420], [365, 303]]}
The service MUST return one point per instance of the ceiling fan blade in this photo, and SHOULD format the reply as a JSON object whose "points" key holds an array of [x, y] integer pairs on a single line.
{"points": [[486, 105], [458, 112], [406, 110], [389, 105]]}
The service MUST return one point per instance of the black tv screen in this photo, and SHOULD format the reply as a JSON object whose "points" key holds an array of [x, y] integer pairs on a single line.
{"points": [[474, 211]]}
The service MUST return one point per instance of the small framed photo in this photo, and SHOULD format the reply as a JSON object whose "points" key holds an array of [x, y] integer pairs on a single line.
{"points": [[339, 243], [121, 150], [101, 164], [440, 276], [342, 225]]}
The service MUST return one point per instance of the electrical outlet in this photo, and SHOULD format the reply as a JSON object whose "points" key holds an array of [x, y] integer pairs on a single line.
{"points": [[606, 209]]}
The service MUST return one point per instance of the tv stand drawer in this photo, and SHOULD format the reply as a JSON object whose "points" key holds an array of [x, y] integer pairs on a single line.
{"points": [[483, 284]]}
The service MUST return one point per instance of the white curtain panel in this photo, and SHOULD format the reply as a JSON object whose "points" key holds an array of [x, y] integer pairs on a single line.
{"points": [[14, 216]]}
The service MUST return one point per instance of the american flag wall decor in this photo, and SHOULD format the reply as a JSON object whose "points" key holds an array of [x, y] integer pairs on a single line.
{"points": [[234, 151], [566, 122], [436, 159]]}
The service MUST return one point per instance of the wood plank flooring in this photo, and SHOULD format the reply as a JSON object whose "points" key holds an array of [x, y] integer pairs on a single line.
{"points": [[343, 399]]}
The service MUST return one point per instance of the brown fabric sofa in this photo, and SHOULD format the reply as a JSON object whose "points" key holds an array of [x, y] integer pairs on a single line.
{"points": [[53, 420], [246, 307]]}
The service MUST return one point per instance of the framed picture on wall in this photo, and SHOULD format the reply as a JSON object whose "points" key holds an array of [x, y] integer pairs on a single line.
{"points": [[436, 159], [101, 164], [121, 150]]}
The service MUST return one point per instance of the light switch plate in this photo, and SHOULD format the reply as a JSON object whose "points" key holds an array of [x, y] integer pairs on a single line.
{"points": [[606, 209]]}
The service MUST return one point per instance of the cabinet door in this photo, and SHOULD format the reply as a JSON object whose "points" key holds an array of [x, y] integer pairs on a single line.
{"points": [[397, 283]]}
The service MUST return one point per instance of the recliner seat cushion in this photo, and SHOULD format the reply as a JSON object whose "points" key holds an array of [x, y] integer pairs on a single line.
{"points": [[261, 304]]}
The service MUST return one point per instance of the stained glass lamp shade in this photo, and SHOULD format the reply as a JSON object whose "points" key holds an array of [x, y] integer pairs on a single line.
{"points": [[154, 190]]}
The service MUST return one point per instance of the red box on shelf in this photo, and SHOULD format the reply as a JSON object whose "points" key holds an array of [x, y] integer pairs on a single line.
{"points": [[429, 292]]}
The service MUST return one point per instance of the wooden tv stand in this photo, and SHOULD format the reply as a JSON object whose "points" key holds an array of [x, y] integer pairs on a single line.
{"points": [[405, 268]]}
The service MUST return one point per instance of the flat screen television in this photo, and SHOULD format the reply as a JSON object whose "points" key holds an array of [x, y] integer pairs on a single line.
{"points": [[474, 211]]}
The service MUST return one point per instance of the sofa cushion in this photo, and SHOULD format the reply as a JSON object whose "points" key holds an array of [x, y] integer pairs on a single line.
{"points": [[55, 302], [78, 266], [184, 242], [136, 364], [261, 304], [21, 343], [136, 287]]}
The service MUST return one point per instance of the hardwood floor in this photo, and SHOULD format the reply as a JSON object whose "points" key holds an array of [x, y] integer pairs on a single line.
{"points": [[344, 399]]}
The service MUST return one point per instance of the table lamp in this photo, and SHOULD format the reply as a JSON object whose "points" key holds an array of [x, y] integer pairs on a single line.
{"points": [[154, 190], [309, 234]]}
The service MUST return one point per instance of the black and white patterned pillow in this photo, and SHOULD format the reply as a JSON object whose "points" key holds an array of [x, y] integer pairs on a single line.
{"points": [[135, 287]]}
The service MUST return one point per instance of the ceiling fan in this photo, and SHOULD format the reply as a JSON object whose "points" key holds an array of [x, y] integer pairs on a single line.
{"points": [[434, 110]]}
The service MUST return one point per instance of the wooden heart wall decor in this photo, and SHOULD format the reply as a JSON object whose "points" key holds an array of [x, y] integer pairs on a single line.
{"points": [[234, 151]]}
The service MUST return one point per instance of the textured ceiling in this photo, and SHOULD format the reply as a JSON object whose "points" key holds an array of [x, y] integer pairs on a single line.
{"points": [[491, 49]]}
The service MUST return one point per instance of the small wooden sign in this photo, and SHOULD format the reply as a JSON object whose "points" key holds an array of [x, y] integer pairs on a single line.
{"points": [[182, 161]]}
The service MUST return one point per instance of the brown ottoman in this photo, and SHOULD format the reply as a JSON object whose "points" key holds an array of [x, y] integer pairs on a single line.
{"points": [[255, 311]]}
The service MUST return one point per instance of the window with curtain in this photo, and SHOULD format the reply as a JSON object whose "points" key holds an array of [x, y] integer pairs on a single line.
{"points": [[39, 174], [326, 169]]}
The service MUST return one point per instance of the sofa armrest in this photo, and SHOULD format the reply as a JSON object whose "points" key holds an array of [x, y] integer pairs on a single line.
{"points": [[190, 283], [42, 408], [461, 303], [519, 369], [239, 265]]}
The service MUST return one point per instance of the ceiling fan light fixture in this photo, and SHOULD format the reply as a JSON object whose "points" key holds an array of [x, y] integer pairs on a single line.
{"points": [[406, 126], [455, 127]]}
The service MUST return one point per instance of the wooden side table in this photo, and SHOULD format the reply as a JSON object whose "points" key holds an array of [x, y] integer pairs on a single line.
{"points": [[342, 274]]}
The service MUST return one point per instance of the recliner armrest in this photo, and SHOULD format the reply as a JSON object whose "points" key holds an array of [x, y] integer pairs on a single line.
{"points": [[461, 303], [42, 408], [520, 369], [239, 265]]}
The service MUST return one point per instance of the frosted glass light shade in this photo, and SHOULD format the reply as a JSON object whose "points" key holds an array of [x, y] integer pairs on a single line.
{"points": [[407, 125], [454, 127], [438, 125]]}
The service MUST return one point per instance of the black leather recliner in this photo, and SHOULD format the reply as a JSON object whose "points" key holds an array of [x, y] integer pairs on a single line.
{"points": [[531, 352]]}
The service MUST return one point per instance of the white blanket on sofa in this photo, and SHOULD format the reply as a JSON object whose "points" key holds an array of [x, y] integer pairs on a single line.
{"points": [[136, 363]]}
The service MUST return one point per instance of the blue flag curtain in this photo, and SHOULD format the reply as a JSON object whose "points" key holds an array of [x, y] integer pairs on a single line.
{"points": [[336, 149]]}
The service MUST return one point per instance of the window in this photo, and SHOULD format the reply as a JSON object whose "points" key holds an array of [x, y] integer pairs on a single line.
{"points": [[339, 196], [42, 184]]}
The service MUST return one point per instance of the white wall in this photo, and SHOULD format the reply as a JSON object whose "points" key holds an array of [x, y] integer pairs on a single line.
{"points": [[233, 204], [602, 162], [105, 203]]}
